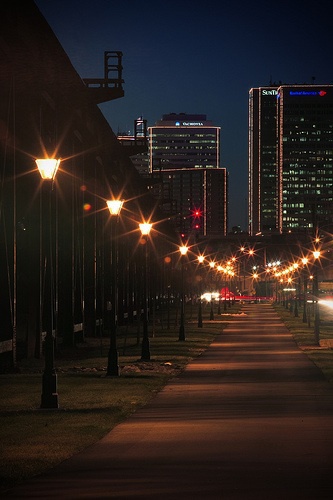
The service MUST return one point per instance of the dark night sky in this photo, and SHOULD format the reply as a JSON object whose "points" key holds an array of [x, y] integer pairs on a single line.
{"points": [[197, 57]]}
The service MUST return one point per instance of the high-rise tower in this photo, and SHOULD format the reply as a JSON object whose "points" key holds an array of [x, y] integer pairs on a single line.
{"points": [[262, 160], [290, 158], [305, 157], [184, 153]]}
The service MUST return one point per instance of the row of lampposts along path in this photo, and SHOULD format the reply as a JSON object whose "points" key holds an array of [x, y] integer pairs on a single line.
{"points": [[290, 279], [48, 168], [145, 228], [49, 399]]}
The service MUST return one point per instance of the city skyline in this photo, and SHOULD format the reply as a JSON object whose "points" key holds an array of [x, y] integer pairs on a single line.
{"points": [[194, 58]]}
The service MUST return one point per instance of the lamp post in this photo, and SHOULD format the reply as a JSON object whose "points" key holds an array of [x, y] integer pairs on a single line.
{"points": [[305, 289], [297, 280], [315, 292], [297, 283], [145, 228], [220, 270], [290, 293], [242, 268], [114, 207], [231, 276], [49, 399], [201, 259], [183, 252], [225, 289], [281, 293], [211, 315], [255, 276]]}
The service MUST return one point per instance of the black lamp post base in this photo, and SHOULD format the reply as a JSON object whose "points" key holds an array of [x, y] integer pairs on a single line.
{"points": [[181, 333], [113, 367], [200, 316], [317, 325], [49, 397], [145, 352]]}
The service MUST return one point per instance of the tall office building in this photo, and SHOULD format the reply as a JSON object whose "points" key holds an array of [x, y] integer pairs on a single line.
{"points": [[305, 156], [184, 160], [262, 160], [294, 125]]}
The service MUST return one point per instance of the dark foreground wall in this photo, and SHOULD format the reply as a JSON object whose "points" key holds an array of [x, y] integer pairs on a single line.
{"points": [[55, 262]]}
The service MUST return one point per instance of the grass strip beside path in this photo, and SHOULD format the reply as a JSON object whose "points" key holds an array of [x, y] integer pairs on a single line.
{"points": [[303, 334], [33, 440]]}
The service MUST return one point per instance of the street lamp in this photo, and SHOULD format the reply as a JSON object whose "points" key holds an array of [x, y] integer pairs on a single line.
{"points": [[183, 252], [145, 228], [296, 266], [49, 399], [315, 292], [114, 207], [220, 270], [305, 289], [231, 276], [48, 168], [242, 268], [225, 289], [211, 315], [201, 259], [255, 276]]}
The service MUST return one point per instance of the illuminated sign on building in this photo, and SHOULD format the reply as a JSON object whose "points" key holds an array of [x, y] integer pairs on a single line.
{"points": [[321, 93], [189, 124], [269, 92]]}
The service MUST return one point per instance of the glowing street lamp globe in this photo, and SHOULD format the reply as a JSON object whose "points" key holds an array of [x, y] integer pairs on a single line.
{"points": [[145, 228], [115, 206], [183, 249], [48, 167]]}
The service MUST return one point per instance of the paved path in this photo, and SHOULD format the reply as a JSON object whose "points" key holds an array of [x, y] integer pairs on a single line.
{"points": [[252, 418]]}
